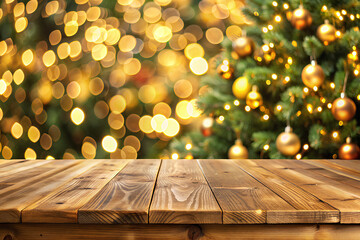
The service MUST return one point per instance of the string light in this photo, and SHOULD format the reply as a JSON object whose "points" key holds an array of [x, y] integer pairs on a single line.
{"points": [[266, 117], [298, 156], [332, 85], [324, 8], [279, 108], [319, 109], [175, 156], [329, 105], [274, 76], [274, 3], [247, 108], [277, 18], [236, 102], [188, 146], [306, 147], [286, 6], [266, 147], [227, 107], [335, 134]]}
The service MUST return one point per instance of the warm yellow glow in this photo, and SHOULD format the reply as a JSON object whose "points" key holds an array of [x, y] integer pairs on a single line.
{"points": [[3, 86], [30, 154], [277, 18], [319, 109], [194, 50], [16, 130], [298, 156], [247, 108], [266, 147], [286, 6], [21, 24], [335, 134], [324, 8], [159, 123], [309, 107], [188, 146], [329, 105], [162, 34], [27, 57], [274, 3], [109, 144], [175, 156], [274, 76], [49, 157], [33, 134], [173, 127], [199, 66], [18, 76], [49, 58], [266, 117], [279, 108], [77, 116], [236, 102], [227, 107], [306, 146], [99, 52]]}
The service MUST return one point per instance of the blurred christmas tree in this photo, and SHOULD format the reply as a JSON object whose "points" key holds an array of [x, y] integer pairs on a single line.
{"points": [[96, 79], [288, 87]]}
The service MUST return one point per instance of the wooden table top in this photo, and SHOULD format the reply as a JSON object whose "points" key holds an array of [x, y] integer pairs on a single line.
{"points": [[179, 191]]}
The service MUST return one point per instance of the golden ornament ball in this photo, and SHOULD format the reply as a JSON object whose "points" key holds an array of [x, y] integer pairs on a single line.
{"points": [[326, 32], [349, 151], [254, 98], [288, 143], [207, 126], [241, 87], [238, 151], [225, 70], [301, 18], [313, 75], [343, 108], [243, 46]]}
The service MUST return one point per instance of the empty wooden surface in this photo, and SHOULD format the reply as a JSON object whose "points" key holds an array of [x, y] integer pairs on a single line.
{"points": [[157, 191], [126, 198], [182, 195]]}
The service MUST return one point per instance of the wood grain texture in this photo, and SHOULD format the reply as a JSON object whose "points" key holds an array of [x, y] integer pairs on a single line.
{"points": [[18, 166], [126, 198], [15, 198], [242, 198], [178, 232], [98, 232], [183, 196], [309, 208], [61, 206], [341, 196]]}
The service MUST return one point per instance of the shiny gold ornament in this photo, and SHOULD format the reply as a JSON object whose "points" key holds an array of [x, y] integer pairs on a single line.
{"points": [[288, 143], [207, 126], [326, 33], [312, 75], [243, 46], [349, 151], [241, 87], [301, 18], [225, 70], [254, 98], [343, 108], [238, 151]]}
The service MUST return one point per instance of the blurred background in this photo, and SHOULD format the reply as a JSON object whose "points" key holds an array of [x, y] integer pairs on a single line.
{"points": [[105, 79]]}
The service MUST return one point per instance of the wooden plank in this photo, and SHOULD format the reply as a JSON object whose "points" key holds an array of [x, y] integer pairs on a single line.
{"points": [[177, 232], [15, 198], [182, 195], [60, 231], [242, 198], [126, 198], [327, 169], [18, 166], [341, 196], [33, 168], [4, 162], [61, 206], [310, 209]]}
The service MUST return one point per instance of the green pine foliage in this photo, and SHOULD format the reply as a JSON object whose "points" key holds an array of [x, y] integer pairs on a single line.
{"points": [[280, 84]]}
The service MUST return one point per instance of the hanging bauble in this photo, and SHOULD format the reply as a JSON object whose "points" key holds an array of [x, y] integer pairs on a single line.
{"points": [[265, 54], [207, 126], [241, 87], [243, 46], [254, 98], [238, 151], [349, 151], [288, 143], [326, 32], [313, 75], [301, 18], [225, 70], [343, 108]]}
